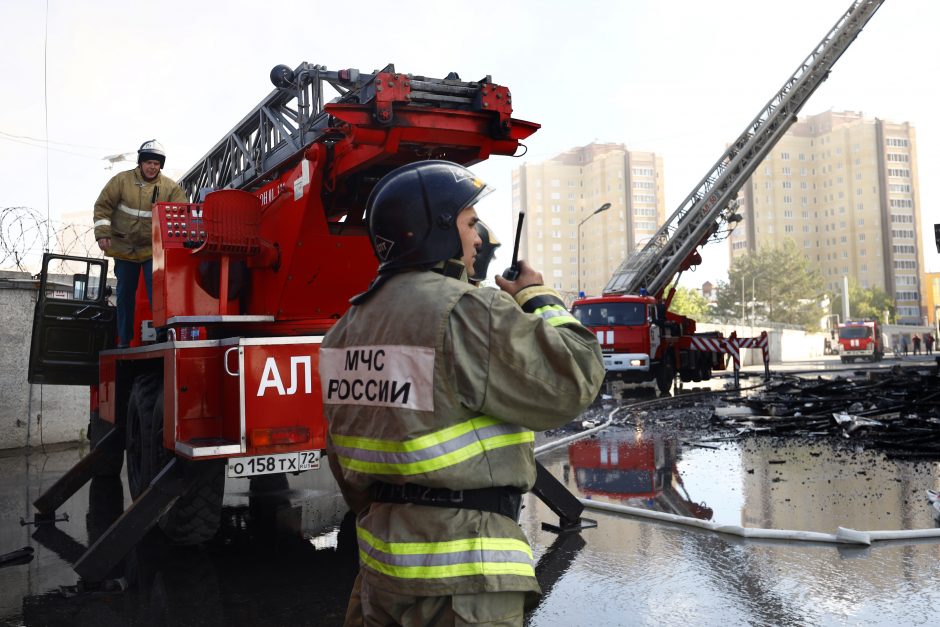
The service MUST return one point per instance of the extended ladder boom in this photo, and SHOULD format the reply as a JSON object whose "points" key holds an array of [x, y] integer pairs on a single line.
{"points": [[707, 209], [293, 116]]}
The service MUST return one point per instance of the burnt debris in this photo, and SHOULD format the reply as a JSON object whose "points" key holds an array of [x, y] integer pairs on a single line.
{"points": [[896, 410]]}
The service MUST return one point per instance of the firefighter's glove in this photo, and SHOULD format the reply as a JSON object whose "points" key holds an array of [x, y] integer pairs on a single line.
{"points": [[540, 299]]}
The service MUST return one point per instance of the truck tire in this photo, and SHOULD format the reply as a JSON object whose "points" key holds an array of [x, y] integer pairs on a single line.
{"points": [[707, 367], [665, 376], [141, 465], [195, 516]]}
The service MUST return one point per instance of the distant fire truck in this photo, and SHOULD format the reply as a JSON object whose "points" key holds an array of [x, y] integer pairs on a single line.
{"points": [[860, 339]]}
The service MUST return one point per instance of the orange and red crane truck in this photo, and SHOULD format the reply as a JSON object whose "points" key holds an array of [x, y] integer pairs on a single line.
{"points": [[246, 282], [640, 338], [860, 339]]}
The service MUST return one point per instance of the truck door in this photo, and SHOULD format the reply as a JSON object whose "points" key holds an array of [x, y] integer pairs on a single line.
{"points": [[72, 322]]}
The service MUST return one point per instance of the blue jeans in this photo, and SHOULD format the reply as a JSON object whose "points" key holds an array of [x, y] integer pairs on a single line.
{"points": [[128, 273]]}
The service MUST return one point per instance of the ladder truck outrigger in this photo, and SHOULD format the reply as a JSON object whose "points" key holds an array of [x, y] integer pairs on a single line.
{"points": [[246, 281], [641, 339]]}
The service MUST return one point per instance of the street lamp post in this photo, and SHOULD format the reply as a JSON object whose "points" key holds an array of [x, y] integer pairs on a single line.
{"points": [[754, 296], [603, 207]]}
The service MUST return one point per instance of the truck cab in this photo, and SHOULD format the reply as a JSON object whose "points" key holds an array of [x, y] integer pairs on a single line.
{"points": [[860, 339], [625, 330]]}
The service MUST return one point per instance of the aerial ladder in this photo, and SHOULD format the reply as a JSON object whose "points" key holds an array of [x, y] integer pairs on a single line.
{"points": [[640, 338], [710, 210], [295, 117]]}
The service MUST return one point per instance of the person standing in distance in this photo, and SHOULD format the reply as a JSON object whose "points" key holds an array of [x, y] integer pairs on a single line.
{"points": [[122, 227], [432, 389]]}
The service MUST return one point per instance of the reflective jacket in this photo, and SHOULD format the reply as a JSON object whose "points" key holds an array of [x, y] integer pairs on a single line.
{"points": [[123, 211], [434, 382]]}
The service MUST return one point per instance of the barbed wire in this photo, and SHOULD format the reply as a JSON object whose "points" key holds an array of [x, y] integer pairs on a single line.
{"points": [[23, 239]]}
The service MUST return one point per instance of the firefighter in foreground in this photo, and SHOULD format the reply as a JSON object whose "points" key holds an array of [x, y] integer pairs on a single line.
{"points": [[122, 227], [432, 389]]}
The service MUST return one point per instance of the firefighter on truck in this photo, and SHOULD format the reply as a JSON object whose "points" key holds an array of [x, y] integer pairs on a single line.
{"points": [[432, 389]]}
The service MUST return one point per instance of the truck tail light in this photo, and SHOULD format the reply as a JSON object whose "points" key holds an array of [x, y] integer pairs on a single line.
{"points": [[283, 435]]}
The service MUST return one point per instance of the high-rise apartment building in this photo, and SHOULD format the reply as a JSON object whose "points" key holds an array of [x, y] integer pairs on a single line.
{"points": [[560, 197], [844, 188]]}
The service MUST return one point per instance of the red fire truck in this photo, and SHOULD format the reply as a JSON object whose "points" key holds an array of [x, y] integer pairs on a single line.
{"points": [[245, 284], [642, 341], [860, 339]]}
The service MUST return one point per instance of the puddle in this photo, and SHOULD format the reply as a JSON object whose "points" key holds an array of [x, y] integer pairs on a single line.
{"points": [[284, 558], [637, 572]]}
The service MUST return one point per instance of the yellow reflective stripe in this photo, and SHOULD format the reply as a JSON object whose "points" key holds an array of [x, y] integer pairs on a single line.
{"points": [[446, 546], [471, 546], [555, 315], [562, 320], [453, 570], [443, 461], [425, 441]]}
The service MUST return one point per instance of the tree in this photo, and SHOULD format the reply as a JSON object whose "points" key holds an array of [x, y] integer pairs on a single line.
{"points": [[688, 302], [776, 284], [865, 303]]}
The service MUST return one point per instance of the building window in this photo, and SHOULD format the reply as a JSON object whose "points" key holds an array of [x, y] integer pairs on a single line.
{"points": [[895, 141]]}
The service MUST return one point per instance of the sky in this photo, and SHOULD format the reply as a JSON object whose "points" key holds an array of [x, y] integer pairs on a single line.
{"points": [[681, 78]]}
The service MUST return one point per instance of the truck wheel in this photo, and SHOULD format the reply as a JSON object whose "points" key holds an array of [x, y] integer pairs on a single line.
{"points": [[707, 370], [195, 516], [140, 405], [665, 376]]}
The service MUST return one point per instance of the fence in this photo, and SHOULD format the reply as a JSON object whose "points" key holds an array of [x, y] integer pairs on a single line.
{"points": [[26, 233]]}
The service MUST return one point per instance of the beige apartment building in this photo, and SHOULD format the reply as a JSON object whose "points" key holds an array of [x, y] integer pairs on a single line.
{"points": [[560, 197], [844, 188]]}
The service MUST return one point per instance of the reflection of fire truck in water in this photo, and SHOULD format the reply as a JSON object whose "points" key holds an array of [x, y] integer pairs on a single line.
{"points": [[860, 339], [642, 469]]}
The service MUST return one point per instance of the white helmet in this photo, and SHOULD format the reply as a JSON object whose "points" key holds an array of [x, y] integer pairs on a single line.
{"points": [[151, 150]]}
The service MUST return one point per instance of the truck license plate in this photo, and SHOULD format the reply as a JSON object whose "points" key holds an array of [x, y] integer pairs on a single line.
{"points": [[267, 464]]}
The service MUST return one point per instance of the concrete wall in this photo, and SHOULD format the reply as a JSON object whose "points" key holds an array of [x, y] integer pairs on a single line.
{"points": [[31, 415]]}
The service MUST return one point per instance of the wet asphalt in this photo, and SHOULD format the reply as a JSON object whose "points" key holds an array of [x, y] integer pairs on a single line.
{"points": [[286, 551]]}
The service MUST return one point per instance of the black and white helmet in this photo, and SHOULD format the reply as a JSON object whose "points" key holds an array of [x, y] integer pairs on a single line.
{"points": [[412, 213], [151, 150]]}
